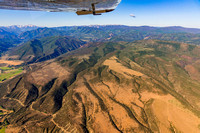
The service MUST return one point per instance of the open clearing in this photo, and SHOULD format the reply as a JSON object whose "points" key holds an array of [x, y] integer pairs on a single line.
{"points": [[118, 67], [11, 62]]}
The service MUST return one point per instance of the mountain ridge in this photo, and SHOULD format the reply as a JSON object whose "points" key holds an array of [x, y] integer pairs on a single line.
{"points": [[45, 48]]}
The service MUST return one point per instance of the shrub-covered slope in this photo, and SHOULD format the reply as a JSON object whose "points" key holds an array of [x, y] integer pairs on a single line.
{"points": [[45, 48]]}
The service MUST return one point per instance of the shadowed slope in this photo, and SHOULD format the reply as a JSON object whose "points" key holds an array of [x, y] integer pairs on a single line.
{"points": [[45, 48]]}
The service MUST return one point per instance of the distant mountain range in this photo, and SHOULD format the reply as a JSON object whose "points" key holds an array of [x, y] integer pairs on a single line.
{"points": [[13, 36], [17, 29]]}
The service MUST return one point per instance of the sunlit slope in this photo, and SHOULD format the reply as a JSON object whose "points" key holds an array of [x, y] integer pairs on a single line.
{"points": [[145, 86]]}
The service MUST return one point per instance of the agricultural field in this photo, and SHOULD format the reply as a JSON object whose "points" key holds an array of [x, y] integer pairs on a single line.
{"points": [[9, 72]]}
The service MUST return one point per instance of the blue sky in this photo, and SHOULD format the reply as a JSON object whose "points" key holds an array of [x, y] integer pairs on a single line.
{"points": [[148, 12]]}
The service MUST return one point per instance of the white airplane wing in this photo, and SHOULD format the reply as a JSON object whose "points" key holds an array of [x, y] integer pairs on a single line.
{"points": [[60, 5]]}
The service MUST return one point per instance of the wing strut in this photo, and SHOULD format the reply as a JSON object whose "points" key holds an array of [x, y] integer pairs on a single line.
{"points": [[93, 9]]}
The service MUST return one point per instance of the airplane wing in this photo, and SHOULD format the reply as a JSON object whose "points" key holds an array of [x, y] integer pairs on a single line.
{"points": [[79, 6]]}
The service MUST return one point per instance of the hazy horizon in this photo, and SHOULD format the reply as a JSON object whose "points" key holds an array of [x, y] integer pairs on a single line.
{"points": [[18, 25]]}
